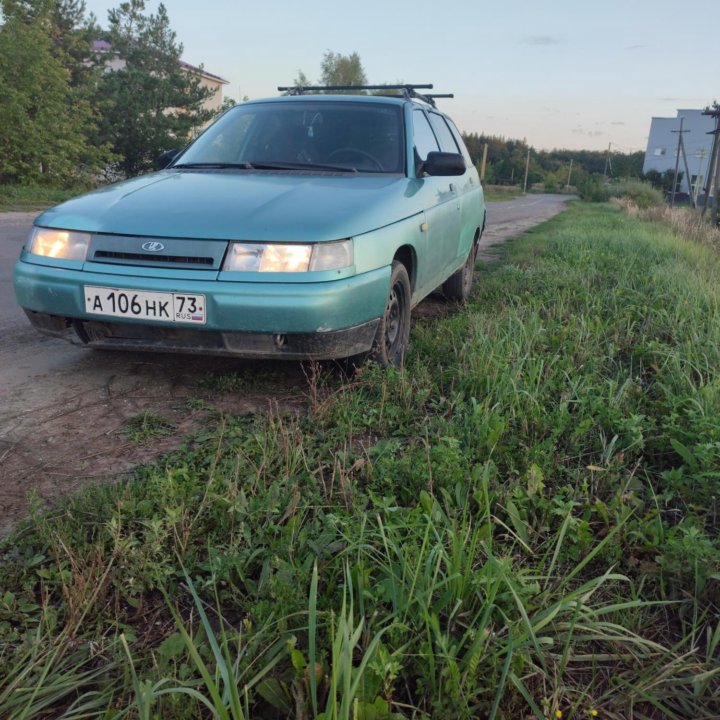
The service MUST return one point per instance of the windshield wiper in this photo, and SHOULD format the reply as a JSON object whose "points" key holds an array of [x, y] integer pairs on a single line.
{"points": [[215, 165], [301, 166]]}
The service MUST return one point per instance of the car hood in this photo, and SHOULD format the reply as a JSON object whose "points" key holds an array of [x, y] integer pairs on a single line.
{"points": [[240, 205]]}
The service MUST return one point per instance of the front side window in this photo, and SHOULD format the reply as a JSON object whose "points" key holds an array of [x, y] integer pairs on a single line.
{"points": [[363, 137]]}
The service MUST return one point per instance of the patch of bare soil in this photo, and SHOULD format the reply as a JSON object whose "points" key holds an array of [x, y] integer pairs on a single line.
{"points": [[67, 430]]}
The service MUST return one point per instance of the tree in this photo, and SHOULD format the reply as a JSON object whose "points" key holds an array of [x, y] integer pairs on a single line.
{"points": [[663, 181], [337, 69], [153, 104], [301, 80], [43, 122], [72, 33]]}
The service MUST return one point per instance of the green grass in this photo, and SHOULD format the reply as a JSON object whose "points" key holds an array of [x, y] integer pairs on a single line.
{"points": [[498, 193], [146, 426], [521, 522], [29, 198]]}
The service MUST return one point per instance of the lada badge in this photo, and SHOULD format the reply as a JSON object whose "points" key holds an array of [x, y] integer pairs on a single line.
{"points": [[153, 246]]}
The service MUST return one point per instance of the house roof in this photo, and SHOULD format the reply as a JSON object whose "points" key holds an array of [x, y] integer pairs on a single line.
{"points": [[200, 71], [105, 46]]}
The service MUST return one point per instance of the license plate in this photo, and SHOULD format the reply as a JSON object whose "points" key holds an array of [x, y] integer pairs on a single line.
{"points": [[157, 306]]}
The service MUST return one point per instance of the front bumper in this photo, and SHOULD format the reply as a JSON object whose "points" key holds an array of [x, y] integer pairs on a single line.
{"points": [[319, 320], [135, 336]]}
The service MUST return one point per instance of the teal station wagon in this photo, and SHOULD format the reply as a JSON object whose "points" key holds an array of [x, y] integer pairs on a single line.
{"points": [[304, 226]]}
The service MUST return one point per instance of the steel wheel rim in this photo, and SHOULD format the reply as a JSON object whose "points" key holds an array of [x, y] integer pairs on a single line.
{"points": [[393, 319], [468, 270]]}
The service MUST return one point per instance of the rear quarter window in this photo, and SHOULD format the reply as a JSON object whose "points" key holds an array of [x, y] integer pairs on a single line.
{"points": [[442, 131], [460, 142]]}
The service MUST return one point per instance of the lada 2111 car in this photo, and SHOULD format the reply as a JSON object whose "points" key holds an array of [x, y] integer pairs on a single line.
{"points": [[303, 226]]}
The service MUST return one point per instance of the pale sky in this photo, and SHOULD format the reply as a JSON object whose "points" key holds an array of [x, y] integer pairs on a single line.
{"points": [[563, 74]]}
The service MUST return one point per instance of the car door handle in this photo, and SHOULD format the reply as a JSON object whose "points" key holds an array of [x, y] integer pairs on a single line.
{"points": [[453, 188]]}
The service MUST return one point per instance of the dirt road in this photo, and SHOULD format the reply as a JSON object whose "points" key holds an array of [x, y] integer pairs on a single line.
{"points": [[510, 218], [64, 410]]}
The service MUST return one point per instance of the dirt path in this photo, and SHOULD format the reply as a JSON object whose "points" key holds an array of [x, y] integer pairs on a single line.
{"points": [[512, 217], [65, 411]]}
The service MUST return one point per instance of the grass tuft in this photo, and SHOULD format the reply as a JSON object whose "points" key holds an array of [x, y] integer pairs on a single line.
{"points": [[147, 426]]}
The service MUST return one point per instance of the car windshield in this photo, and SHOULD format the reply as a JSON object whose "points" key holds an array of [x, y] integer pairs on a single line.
{"points": [[305, 135]]}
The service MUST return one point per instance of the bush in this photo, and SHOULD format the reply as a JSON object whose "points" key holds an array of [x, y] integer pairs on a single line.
{"points": [[592, 189], [643, 194]]}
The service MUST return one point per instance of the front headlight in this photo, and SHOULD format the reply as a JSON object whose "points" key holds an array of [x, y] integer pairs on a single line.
{"points": [[61, 244], [274, 257]]}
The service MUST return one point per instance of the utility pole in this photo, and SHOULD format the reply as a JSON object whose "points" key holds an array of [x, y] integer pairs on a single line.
{"points": [[607, 162], [677, 160], [687, 172], [484, 162], [710, 172], [699, 181], [569, 174], [527, 167], [716, 209], [714, 166]]}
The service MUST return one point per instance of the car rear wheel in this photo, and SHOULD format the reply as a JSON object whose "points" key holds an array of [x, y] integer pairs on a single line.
{"points": [[457, 287], [393, 332]]}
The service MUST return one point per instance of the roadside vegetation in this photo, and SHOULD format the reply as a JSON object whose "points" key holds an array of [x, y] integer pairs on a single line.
{"points": [[501, 193], [64, 120], [522, 522], [26, 198]]}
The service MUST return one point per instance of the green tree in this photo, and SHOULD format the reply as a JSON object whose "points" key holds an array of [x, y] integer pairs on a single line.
{"points": [[663, 181], [43, 122], [301, 80], [337, 69], [71, 31], [153, 104]]}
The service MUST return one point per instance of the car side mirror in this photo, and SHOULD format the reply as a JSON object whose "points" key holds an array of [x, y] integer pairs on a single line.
{"points": [[167, 157], [444, 163]]}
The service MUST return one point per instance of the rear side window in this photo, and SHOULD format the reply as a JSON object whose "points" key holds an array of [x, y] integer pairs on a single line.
{"points": [[447, 141], [461, 143], [425, 141]]}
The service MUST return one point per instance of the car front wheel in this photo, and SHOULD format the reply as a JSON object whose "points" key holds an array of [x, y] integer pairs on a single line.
{"points": [[457, 287], [393, 333]]}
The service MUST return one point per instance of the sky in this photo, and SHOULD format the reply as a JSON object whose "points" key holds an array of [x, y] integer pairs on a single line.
{"points": [[574, 74]]}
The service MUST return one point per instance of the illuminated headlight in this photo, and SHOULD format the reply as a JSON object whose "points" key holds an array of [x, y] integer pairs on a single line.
{"points": [[62, 244], [272, 257]]}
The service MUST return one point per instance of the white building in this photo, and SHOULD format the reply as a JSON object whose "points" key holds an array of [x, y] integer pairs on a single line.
{"points": [[662, 147], [214, 83]]}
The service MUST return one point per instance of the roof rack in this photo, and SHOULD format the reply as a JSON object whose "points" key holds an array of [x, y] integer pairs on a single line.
{"points": [[409, 90]]}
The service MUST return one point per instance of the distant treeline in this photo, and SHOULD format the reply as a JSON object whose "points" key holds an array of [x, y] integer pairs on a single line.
{"points": [[506, 162]]}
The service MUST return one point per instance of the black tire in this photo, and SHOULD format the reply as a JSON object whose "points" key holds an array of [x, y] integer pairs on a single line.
{"points": [[393, 332], [458, 286]]}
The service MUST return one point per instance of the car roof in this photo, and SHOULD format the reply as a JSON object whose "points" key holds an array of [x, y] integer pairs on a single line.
{"points": [[384, 99], [407, 93], [361, 99]]}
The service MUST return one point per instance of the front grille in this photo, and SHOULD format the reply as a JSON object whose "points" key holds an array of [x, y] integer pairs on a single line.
{"points": [[154, 259], [188, 253]]}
